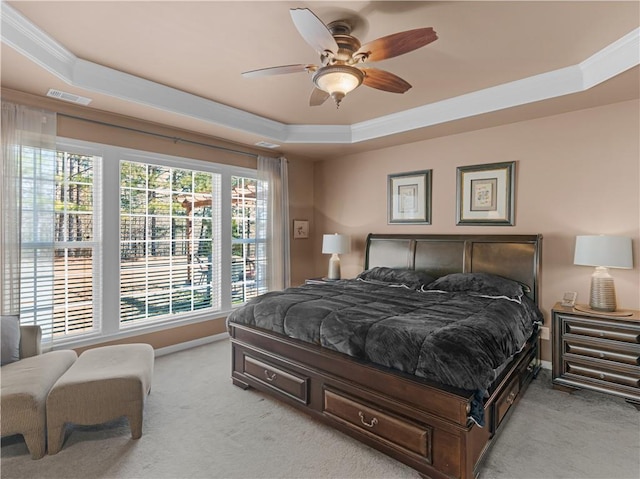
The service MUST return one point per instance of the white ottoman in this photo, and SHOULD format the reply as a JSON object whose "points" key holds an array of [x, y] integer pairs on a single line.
{"points": [[104, 383], [25, 385]]}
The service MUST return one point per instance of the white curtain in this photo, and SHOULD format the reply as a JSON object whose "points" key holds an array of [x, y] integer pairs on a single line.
{"points": [[27, 205], [272, 225]]}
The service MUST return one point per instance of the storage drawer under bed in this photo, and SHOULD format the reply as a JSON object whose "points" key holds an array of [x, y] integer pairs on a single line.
{"points": [[385, 426], [509, 396], [285, 382]]}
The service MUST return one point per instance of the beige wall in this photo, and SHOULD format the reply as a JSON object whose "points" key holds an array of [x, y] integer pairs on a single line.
{"points": [[169, 337], [301, 208], [577, 173]]}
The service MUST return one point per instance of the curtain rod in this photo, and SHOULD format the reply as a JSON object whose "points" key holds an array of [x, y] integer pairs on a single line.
{"points": [[175, 139]]}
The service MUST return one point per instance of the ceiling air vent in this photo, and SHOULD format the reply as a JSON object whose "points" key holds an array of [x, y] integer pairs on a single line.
{"points": [[266, 144], [63, 95]]}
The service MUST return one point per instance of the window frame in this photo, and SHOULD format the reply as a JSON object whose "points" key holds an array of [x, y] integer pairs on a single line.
{"points": [[110, 248]]}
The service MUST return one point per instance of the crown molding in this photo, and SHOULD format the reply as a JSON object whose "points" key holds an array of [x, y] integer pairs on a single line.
{"points": [[23, 36], [27, 39], [612, 60], [528, 90]]}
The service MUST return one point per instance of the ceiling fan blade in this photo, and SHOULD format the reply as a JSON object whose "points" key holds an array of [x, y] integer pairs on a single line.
{"points": [[318, 97], [279, 70], [383, 80], [397, 44], [314, 32]]}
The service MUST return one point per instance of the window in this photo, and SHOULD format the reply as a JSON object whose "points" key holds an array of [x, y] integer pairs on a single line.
{"points": [[60, 278], [132, 240], [76, 305], [243, 241], [168, 241]]}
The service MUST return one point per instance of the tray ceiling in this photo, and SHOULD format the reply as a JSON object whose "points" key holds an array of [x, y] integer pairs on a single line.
{"points": [[180, 64]]}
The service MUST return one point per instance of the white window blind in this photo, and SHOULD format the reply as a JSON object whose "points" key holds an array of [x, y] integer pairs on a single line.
{"points": [[77, 305], [243, 239], [60, 252], [170, 241]]}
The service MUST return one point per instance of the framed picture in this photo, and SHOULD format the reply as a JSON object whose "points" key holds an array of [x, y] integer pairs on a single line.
{"points": [[409, 197], [300, 229], [486, 194]]}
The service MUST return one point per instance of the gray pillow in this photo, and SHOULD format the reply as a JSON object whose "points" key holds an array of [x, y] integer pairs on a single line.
{"points": [[411, 278], [10, 333], [480, 283]]}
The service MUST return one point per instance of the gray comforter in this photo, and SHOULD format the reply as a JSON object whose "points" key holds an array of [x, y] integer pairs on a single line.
{"points": [[459, 339]]}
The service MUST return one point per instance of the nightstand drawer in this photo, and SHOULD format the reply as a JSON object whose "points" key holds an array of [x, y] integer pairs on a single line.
{"points": [[600, 329], [602, 351], [603, 373]]}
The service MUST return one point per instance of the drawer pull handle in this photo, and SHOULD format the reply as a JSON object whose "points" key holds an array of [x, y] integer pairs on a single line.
{"points": [[373, 422], [270, 377], [511, 397]]}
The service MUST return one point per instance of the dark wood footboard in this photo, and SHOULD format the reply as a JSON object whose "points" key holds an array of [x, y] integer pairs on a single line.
{"points": [[419, 423]]}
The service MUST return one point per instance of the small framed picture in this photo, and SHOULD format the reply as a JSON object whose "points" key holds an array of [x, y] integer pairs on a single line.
{"points": [[486, 194], [569, 299], [409, 198], [300, 229]]}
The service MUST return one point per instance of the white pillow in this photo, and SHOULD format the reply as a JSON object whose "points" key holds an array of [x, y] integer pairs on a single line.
{"points": [[10, 333]]}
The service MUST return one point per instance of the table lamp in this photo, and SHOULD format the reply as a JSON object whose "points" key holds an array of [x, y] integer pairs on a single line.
{"points": [[334, 245], [603, 252]]}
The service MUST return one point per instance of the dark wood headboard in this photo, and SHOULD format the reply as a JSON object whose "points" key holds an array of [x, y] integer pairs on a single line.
{"points": [[516, 257]]}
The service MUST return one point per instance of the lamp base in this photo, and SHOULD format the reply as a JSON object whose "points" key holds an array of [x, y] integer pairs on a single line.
{"points": [[603, 293], [334, 267]]}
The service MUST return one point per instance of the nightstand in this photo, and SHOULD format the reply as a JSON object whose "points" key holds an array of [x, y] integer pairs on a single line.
{"points": [[318, 281], [596, 351]]}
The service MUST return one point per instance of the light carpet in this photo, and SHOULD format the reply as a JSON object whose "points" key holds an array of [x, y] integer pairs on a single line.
{"points": [[198, 425]]}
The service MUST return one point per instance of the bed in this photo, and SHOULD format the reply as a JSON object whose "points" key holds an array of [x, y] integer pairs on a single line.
{"points": [[333, 350]]}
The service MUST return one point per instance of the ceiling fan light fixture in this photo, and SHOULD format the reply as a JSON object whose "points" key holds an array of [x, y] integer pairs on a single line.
{"points": [[338, 80]]}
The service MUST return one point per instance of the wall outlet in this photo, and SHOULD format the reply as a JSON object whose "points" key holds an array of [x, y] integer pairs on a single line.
{"points": [[544, 333]]}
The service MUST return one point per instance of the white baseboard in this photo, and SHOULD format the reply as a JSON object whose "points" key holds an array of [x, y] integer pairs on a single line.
{"points": [[545, 364], [174, 348]]}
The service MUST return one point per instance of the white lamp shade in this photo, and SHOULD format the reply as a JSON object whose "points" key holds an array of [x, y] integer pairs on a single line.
{"points": [[607, 251], [335, 244]]}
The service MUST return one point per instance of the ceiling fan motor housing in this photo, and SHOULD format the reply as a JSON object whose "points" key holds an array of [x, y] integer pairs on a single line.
{"points": [[347, 44], [337, 75]]}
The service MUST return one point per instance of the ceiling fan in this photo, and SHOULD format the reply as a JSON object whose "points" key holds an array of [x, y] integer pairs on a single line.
{"points": [[344, 61]]}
